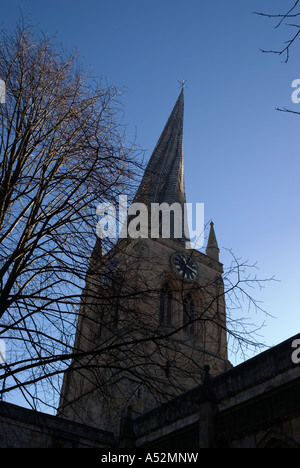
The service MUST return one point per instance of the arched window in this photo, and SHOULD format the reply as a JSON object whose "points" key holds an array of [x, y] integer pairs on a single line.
{"points": [[165, 306], [277, 440], [188, 314]]}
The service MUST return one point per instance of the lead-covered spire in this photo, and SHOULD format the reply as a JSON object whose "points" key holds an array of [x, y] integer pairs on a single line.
{"points": [[163, 180]]}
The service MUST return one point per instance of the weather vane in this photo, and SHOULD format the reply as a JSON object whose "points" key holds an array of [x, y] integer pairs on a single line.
{"points": [[182, 83]]}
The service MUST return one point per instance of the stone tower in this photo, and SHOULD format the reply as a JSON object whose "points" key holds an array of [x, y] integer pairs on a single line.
{"points": [[152, 313]]}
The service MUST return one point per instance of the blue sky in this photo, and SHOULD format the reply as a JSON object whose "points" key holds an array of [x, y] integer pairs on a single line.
{"points": [[241, 155]]}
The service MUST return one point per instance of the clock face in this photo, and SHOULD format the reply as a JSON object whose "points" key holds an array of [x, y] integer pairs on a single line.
{"points": [[184, 266]]}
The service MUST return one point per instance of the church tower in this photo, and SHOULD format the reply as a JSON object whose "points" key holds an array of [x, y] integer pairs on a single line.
{"points": [[153, 312]]}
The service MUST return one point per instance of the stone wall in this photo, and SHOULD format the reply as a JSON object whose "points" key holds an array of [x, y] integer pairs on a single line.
{"points": [[25, 428], [253, 405]]}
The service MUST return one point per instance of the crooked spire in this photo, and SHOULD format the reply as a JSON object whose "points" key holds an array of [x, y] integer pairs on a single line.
{"points": [[163, 180]]}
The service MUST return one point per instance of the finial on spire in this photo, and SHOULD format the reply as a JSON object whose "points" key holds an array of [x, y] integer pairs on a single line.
{"points": [[182, 84]]}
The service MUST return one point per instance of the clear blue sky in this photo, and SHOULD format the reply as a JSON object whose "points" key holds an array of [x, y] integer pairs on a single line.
{"points": [[241, 155]]}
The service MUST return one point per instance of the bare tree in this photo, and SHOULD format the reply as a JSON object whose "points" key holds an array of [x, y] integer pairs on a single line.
{"points": [[281, 20], [145, 336], [63, 151]]}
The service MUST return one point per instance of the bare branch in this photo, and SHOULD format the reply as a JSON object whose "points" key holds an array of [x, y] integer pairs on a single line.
{"points": [[289, 14]]}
